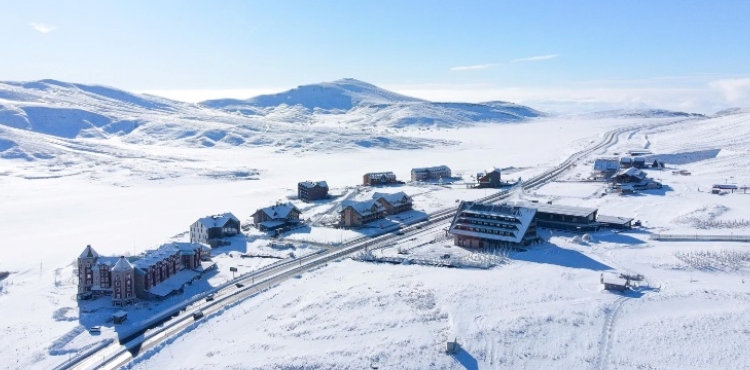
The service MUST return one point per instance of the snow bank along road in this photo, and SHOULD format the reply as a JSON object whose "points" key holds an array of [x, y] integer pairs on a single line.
{"points": [[179, 318]]}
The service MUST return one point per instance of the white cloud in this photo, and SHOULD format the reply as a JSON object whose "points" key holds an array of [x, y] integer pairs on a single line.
{"points": [[734, 89], [473, 68], [43, 28], [536, 58]]}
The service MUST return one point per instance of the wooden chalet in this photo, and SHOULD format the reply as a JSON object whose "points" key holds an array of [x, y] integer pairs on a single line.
{"points": [[489, 179], [357, 214], [394, 203], [277, 216], [212, 230]]}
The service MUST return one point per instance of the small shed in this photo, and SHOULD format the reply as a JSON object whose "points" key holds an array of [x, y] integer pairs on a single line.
{"points": [[451, 346], [614, 283], [119, 317], [718, 188]]}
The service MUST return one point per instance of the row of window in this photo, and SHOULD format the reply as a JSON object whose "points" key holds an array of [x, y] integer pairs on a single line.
{"points": [[485, 231]]}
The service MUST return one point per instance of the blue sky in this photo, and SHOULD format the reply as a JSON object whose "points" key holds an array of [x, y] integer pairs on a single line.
{"points": [[562, 55]]}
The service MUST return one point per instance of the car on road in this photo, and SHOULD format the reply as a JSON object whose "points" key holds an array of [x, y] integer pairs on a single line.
{"points": [[197, 315], [95, 329], [399, 232], [210, 297], [239, 285]]}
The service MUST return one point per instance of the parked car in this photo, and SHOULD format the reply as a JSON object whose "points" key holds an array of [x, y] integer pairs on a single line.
{"points": [[95, 329]]}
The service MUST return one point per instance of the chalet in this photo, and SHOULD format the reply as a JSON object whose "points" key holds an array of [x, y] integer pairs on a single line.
{"points": [[212, 230], [430, 173], [606, 167], [479, 225], [489, 179], [308, 191], [394, 203], [356, 214], [379, 178], [276, 217], [153, 275]]}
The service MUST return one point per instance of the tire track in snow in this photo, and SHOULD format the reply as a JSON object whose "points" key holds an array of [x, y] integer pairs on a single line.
{"points": [[606, 338]]}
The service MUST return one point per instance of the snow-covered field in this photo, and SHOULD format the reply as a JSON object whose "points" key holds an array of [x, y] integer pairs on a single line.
{"points": [[538, 309]]}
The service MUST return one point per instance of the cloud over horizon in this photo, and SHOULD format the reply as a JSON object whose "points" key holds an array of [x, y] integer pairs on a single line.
{"points": [[43, 28], [474, 67], [536, 58]]}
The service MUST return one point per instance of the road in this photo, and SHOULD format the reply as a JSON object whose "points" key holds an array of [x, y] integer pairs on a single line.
{"points": [[177, 319]]}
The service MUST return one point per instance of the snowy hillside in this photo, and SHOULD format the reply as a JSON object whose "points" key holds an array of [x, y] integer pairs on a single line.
{"points": [[350, 102], [637, 113]]}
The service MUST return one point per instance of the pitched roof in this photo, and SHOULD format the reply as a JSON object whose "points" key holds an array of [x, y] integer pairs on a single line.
{"points": [[557, 209], [395, 199], [518, 219], [123, 265], [633, 172], [606, 164], [280, 210], [429, 169], [364, 208], [312, 184], [217, 220], [89, 253], [387, 174]]}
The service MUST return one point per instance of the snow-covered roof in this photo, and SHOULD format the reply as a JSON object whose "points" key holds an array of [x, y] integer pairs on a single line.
{"points": [[312, 184], [725, 186], [606, 164], [557, 209], [123, 265], [89, 253], [431, 169], [375, 175], [632, 172], [395, 199], [188, 247], [511, 215], [491, 170], [615, 220], [217, 220], [364, 208], [279, 211]]}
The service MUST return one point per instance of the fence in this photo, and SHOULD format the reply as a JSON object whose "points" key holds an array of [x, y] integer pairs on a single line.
{"points": [[701, 238]]}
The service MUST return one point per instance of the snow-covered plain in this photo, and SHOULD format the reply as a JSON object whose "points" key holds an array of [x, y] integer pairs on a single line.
{"points": [[538, 309]]}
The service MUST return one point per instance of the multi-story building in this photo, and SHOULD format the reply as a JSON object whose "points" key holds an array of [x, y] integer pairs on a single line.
{"points": [[430, 173], [153, 275], [212, 230], [308, 191], [394, 203], [379, 178], [479, 225], [356, 214], [277, 216]]}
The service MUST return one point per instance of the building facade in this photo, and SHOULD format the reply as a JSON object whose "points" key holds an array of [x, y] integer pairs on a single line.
{"points": [[212, 230], [277, 216], [379, 178], [482, 225], [308, 191], [394, 203], [357, 214], [430, 173], [489, 179], [153, 275]]}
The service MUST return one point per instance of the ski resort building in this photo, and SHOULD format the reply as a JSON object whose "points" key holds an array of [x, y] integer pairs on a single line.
{"points": [[278, 216], [379, 178], [430, 173], [356, 214], [156, 274], [575, 219], [212, 230], [394, 203], [308, 191], [478, 225]]}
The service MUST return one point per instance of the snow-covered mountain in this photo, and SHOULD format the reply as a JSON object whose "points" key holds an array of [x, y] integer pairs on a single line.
{"points": [[352, 102], [638, 113]]}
